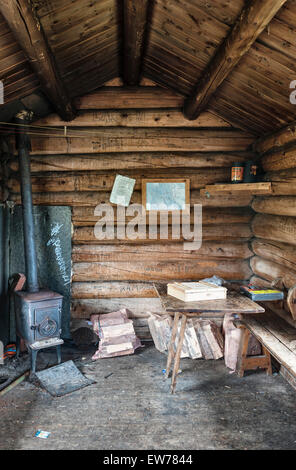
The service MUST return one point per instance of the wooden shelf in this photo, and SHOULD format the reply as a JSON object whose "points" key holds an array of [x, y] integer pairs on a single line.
{"points": [[253, 188]]}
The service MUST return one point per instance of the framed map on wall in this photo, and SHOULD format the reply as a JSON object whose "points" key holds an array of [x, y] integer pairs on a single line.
{"points": [[165, 194]]}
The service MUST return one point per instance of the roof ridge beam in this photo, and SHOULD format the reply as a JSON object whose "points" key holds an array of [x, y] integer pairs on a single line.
{"points": [[135, 19]]}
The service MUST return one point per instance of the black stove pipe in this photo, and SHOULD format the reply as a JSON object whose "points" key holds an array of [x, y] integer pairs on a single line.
{"points": [[24, 146]]}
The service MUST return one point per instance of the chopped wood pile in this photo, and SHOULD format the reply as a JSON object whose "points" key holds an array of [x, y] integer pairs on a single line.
{"points": [[203, 338], [116, 333]]}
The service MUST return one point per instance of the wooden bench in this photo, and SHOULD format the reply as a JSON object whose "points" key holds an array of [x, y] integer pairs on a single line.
{"points": [[277, 337]]}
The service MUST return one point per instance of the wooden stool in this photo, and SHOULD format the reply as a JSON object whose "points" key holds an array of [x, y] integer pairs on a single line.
{"points": [[245, 362]]}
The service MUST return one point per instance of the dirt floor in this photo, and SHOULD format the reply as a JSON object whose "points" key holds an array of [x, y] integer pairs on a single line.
{"points": [[130, 407]]}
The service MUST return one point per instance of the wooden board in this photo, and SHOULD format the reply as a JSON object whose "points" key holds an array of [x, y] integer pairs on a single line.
{"points": [[253, 188], [277, 336], [235, 303]]}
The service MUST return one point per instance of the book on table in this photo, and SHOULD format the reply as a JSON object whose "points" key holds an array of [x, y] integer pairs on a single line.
{"points": [[193, 291], [262, 294]]}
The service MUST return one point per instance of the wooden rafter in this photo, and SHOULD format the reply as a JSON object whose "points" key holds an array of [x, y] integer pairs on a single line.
{"points": [[255, 16], [135, 22], [28, 31]]}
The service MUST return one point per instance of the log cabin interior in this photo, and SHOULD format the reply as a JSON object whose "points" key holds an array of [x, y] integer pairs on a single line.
{"points": [[172, 90]]}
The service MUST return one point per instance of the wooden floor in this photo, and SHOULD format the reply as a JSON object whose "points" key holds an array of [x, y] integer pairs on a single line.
{"points": [[133, 409]]}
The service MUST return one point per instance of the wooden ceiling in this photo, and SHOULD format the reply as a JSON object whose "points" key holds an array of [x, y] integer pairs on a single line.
{"points": [[173, 43], [15, 70]]}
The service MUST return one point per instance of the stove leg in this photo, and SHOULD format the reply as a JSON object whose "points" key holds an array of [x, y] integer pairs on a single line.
{"points": [[59, 353], [33, 353]]}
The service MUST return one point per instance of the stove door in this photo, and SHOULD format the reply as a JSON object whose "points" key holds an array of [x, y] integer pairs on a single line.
{"points": [[47, 322]]}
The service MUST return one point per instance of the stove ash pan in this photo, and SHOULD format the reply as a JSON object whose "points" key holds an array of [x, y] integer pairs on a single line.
{"points": [[38, 315]]}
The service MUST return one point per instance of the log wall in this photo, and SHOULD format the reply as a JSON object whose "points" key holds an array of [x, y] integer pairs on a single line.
{"points": [[274, 226], [139, 133]]}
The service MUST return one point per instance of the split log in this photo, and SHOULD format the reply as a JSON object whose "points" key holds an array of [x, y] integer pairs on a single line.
{"points": [[253, 19], [92, 199], [271, 271], [275, 205], [277, 252], [161, 252], [133, 118], [191, 341], [131, 161], [160, 328], [273, 227], [160, 270], [235, 232]]}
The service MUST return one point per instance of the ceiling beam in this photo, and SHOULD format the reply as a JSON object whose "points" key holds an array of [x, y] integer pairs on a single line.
{"points": [[135, 18], [255, 16], [28, 32]]}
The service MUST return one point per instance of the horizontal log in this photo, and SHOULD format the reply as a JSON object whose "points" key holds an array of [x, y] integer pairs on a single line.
{"points": [[92, 199], [133, 118], [273, 227], [259, 282], [110, 290], [280, 253], [238, 232], [283, 182], [140, 310], [131, 161], [284, 136], [82, 216], [160, 252], [280, 160], [104, 182], [84, 308], [130, 97], [160, 270], [275, 205], [271, 271], [104, 140]]}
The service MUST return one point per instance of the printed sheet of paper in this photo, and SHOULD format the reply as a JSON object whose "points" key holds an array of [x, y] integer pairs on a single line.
{"points": [[122, 190]]}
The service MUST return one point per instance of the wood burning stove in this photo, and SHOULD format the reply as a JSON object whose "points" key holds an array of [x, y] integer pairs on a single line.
{"points": [[38, 312]]}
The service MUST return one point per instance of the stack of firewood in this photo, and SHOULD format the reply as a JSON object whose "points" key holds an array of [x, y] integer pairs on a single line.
{"points": [[203, 338], [116, 333]]}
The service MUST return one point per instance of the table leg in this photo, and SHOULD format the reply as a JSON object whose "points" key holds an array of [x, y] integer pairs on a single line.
{"points": [[178, 353], [243, 351], [171, 352]]}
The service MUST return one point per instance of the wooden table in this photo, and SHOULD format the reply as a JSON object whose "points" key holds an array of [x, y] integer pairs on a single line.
{"points": [[234, 304]]}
